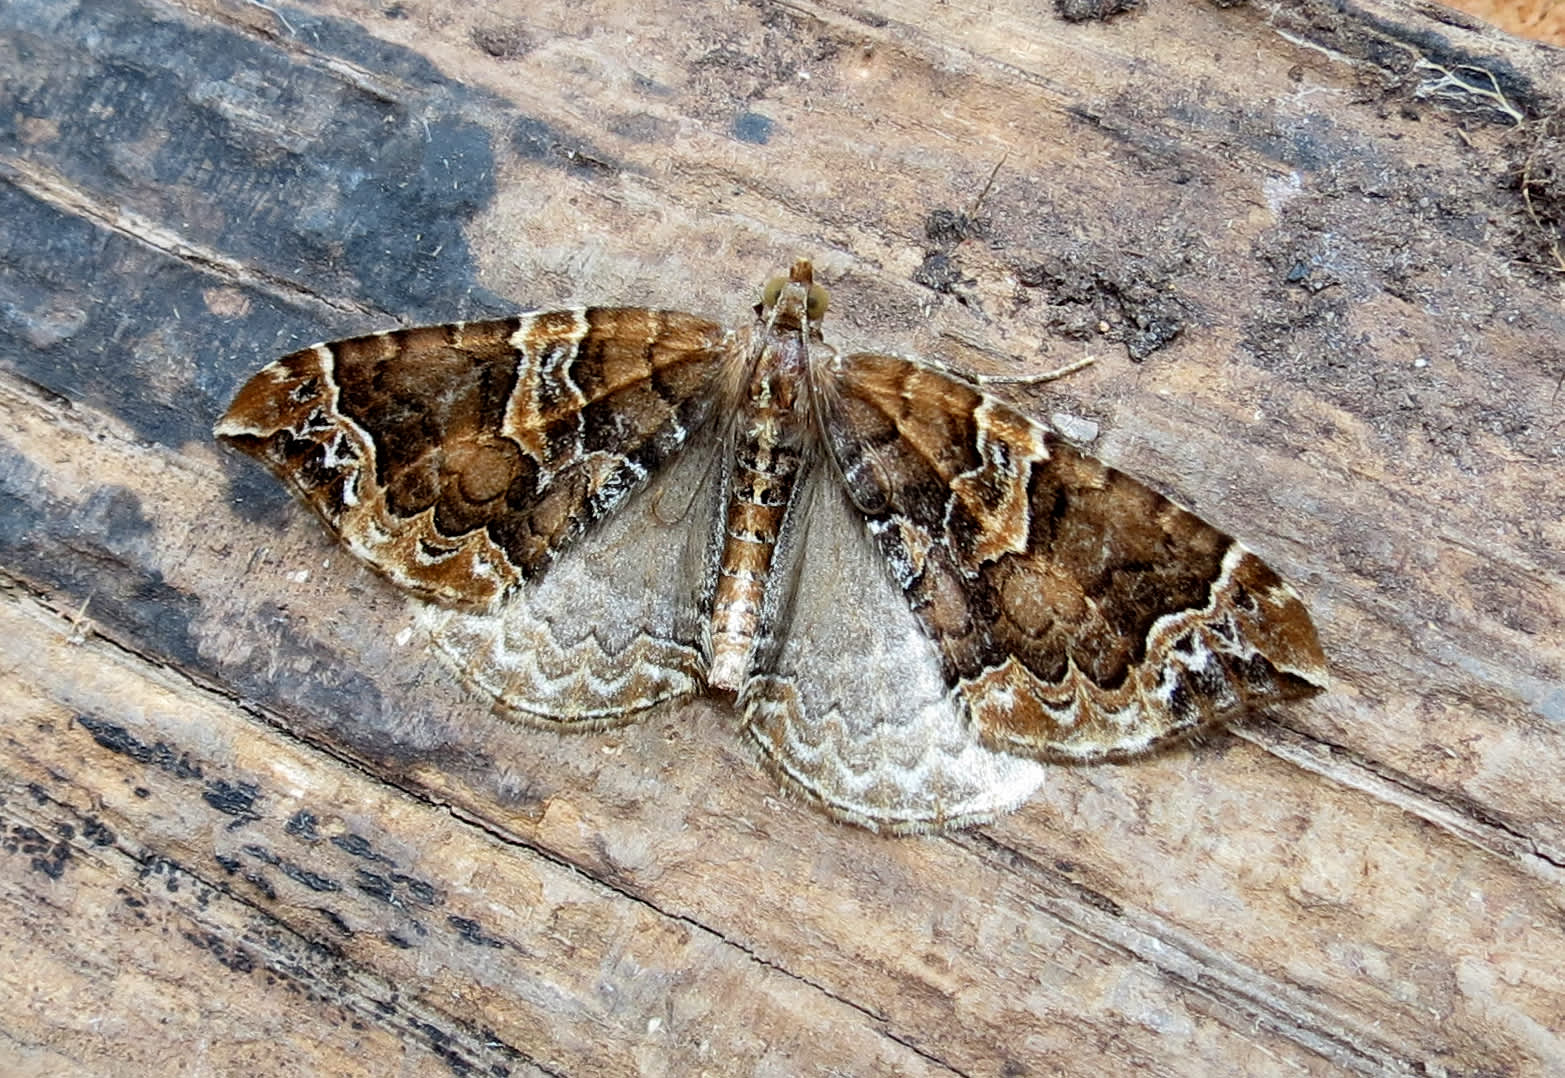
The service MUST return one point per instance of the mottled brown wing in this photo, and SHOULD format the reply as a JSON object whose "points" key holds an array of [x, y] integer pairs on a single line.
{"points": [[1079, 615], [458, 460]]}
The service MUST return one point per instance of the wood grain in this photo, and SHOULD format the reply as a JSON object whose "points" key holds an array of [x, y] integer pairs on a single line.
{"points": [[249, 824], [1539, 19]]}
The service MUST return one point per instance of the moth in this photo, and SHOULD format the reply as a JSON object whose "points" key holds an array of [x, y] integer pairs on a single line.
{"points": [[915, 596]]}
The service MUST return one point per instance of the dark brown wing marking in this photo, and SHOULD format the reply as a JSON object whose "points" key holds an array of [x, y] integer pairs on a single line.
{"points": [[1078, 615], [459, 460]]}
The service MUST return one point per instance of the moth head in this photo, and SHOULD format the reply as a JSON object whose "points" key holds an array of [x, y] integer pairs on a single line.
{"points": [[796, 293]]}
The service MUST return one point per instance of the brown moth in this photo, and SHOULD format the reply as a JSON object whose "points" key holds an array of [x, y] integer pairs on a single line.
{"points": [[914, 593]]}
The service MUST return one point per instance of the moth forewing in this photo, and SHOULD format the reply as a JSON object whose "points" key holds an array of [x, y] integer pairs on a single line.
{"points": [[1079, 614]]}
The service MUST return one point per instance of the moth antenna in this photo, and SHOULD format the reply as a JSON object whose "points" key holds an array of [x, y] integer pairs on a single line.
{"points": [[977, 379], [1033, 379], [696, 490]]}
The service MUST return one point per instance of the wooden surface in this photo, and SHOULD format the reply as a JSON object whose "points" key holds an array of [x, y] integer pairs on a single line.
{"points": [[1543, 20], [250, 827]]}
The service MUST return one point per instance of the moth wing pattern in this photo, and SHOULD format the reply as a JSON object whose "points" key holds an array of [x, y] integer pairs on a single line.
{"points": [[942, 594], [459, 460], [609, 631], [851, 709], [1078, 615]]}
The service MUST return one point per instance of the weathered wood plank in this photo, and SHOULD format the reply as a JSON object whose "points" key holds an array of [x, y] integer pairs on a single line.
{"points": [[406, 926], [250, 825]]}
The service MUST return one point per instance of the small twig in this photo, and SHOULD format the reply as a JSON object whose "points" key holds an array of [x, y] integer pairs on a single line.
{"points": [[81, 627], [1554, 243], [972, 211], [274, 13], [1452, 86]]}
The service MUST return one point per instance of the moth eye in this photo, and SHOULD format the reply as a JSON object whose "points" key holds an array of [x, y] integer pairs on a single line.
{"points": [[772, 290], [815, 303]]}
